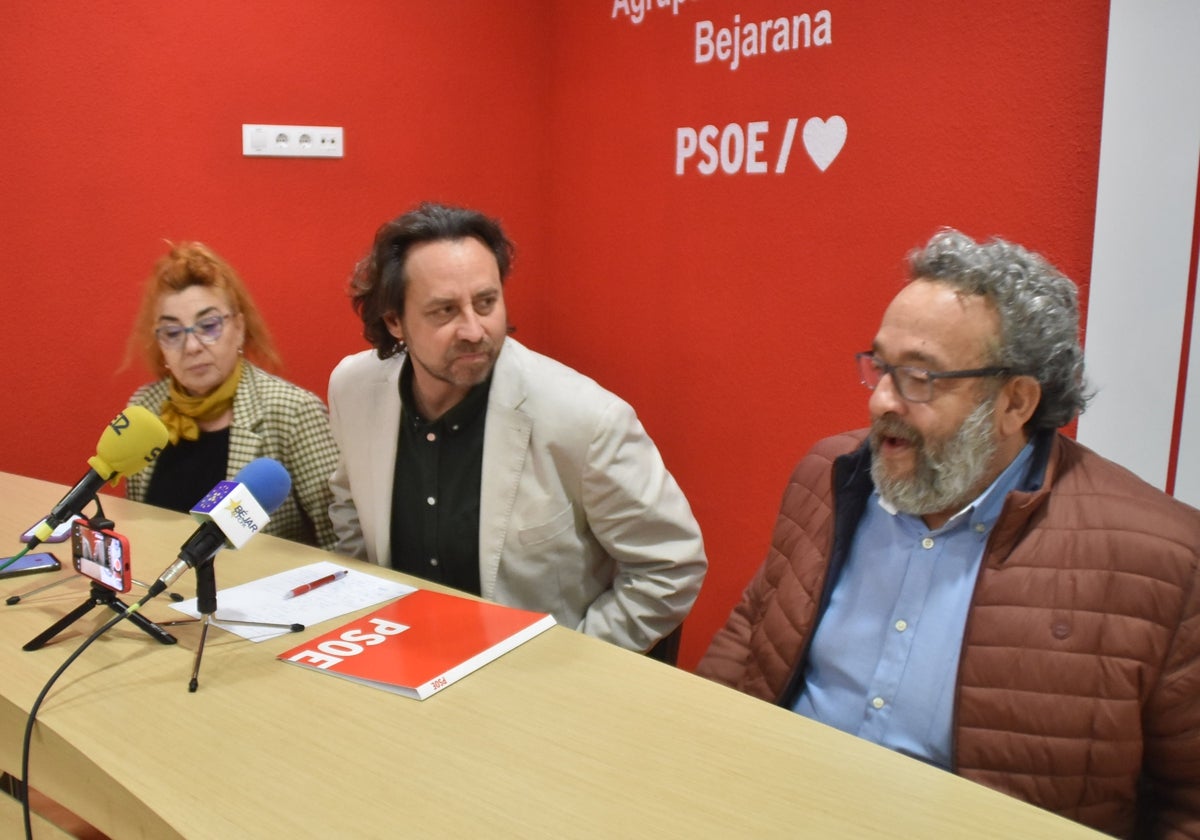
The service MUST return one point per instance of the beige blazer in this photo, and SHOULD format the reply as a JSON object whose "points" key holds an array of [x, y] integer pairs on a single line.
{"points": [[578, 514]]}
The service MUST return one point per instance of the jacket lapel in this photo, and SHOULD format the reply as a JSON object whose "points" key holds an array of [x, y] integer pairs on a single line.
{"points": [[379, 402], [245, 443], [505, 446]]}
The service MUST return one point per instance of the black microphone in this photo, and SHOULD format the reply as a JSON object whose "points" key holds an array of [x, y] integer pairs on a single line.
{"points": [[231, 513]]}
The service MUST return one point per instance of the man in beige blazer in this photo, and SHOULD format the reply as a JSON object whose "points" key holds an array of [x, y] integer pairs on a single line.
{"points": [[577, 515]]}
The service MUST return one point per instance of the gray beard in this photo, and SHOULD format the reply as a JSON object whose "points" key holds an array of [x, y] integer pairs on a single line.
{"points": [[946, 475]]}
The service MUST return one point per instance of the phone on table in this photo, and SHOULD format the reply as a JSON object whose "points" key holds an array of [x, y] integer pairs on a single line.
{"points": [[42, 561], [102, 555], [60, 534]]}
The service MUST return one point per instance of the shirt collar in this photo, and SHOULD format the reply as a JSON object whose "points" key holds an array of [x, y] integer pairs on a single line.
{"points": [[470, 407]]}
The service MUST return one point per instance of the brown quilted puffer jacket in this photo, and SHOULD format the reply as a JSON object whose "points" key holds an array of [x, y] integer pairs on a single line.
{"points": [[1079, 681]]}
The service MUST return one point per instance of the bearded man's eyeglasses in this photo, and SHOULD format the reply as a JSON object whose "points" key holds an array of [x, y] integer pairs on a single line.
{"points": [[915, 384]]}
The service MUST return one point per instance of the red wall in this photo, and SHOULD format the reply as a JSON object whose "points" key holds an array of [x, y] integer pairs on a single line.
{"points": [[126, 120], [725, 307]]}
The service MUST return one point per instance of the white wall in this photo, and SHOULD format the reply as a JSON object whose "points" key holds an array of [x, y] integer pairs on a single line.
{"points": [[1145, 217]]}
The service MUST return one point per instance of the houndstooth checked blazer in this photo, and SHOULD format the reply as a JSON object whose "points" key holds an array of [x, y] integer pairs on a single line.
{"points": [[272, 418]]}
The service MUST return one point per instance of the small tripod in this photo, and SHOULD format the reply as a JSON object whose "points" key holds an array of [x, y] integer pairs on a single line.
{"points": [[100, 595], [206, 605]]}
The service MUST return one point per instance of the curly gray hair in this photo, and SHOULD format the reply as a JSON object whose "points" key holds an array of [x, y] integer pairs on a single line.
{"points": [[1038, 308]]}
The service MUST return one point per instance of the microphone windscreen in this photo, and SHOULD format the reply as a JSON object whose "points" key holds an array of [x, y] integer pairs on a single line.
{"points": [[129, 443], [267, 480]]}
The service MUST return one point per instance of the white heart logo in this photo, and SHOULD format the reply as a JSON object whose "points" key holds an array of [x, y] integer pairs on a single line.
{"points": [[824, 139]]}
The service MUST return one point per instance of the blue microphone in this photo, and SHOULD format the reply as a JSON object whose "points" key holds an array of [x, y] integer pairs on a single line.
{"points": [[230, 514]]}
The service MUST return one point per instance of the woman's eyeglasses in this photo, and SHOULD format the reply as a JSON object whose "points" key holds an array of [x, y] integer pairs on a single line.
{"points": [[208, 330]]}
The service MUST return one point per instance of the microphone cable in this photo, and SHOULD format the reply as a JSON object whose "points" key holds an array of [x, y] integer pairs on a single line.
{"points": [[37, 703]]}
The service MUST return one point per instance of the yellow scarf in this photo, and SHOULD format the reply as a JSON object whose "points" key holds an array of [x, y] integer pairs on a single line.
{"points": [[181, 411]]}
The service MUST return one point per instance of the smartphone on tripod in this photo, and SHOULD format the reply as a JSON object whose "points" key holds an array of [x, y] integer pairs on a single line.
{"points": [[102, 555]]}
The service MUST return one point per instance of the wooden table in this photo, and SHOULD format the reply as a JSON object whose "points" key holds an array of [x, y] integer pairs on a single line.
{"points": [[565, 736]]}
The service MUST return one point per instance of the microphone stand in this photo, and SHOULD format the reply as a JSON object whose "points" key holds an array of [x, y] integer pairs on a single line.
{"points": [[16, 599], [100, 596], [206, 605]]}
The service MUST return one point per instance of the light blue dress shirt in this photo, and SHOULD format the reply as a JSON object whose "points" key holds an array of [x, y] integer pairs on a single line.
{"points": [[884, 658]]}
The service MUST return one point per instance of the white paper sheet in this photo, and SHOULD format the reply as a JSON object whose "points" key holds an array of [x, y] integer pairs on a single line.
{"points": [[263, 600]]}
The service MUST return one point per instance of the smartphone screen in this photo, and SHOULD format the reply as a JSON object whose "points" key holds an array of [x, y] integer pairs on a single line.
{"points": [[42, 561], [102, 556]]}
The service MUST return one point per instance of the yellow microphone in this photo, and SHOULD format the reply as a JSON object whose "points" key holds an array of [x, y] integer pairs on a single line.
{"points": [[128, 444]]}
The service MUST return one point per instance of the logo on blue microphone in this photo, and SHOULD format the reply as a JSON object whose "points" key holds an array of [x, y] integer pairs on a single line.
{"points": [[232, 508], [241, 516], [214, 497]]}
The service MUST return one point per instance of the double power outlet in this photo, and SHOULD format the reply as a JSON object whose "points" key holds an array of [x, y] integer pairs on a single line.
{"points": [[320, 141]]}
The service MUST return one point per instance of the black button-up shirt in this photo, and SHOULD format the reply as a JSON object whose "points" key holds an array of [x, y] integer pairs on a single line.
{"points": [[435, 491]]}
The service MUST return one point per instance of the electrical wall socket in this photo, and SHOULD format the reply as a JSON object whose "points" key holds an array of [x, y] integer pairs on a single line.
{"points": [[321, 141]]}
